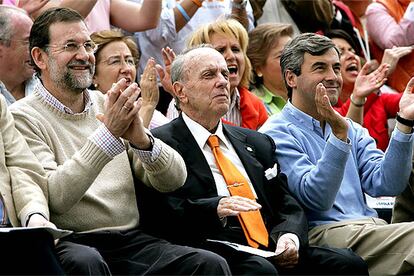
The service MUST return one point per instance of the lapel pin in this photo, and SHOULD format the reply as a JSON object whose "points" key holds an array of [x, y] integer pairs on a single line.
{"points": [[249, 149]]}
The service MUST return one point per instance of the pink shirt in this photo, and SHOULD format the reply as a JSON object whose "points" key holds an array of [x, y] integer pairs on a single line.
{"points": [[9, 2], [99, 17], [385, 31]]}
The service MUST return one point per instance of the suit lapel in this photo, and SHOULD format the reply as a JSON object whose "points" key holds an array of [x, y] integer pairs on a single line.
{"points": [[246, 153], [192, 154]]}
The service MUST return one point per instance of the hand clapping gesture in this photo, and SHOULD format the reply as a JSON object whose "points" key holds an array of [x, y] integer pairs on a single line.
{"points": [[121, 115], [336, 121]]}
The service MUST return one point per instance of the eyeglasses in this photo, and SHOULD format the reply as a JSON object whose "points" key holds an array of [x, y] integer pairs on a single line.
{"points": [[117, 61], [72, 47]]}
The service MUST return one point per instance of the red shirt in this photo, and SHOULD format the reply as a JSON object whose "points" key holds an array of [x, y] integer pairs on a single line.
{"points": [[377, 110]]}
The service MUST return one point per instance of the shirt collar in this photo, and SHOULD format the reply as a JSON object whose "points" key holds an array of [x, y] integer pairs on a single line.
{"points": [[50, 99], [235, 100], [201, 134], [268, 97], [6, 93], [302, 118]]}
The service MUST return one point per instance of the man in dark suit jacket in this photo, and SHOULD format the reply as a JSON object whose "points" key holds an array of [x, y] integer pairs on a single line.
{"points": [[202, 209]]}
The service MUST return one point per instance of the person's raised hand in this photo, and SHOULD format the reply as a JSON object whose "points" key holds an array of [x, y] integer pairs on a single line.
{"points": [[338, 123], [149, 88], [168, 57], [393, 55], [120, 108], [368, 82]]}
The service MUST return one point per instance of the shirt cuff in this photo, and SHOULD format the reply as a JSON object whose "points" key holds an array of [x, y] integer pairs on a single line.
{"points": [[293, 237], [400, 136], [105, 140], [409, 12], [338, 143], [149, 156]]}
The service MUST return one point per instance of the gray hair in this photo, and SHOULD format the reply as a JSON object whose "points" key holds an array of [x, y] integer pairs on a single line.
{"points": [[177, 67], [178, 71], [6, 26], [294, 52]]}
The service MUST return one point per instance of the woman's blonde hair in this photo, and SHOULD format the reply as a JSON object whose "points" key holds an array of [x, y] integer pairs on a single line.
{"points": [[229, 27]]}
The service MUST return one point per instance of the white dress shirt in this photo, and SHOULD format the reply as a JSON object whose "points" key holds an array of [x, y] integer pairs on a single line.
{"points": [[201, 136]]}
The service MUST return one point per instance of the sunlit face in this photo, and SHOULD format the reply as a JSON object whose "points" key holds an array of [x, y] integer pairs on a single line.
{"points": [[325, 69], [15, 57], [271, 71], [113, 63], [206, 86], [232, 52], [350, 61], [67, 70]]}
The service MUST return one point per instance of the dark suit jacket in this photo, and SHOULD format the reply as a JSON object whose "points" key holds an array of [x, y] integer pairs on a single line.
{"points": [[189, 215]]}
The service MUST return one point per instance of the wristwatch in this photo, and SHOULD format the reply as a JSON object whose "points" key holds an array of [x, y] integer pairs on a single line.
{"points": [[406, 122], [240, 6]]}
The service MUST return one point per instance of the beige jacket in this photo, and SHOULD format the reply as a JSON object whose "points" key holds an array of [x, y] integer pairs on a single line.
{"points": [[22, 178]]}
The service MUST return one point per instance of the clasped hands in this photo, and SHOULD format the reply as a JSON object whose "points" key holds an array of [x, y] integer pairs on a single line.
{"points": [[121, 116], [288, 254]]}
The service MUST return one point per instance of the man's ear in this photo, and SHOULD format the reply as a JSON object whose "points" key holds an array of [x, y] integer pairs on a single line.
{"points": [[291, 79], [178, 88], [39, 57]]}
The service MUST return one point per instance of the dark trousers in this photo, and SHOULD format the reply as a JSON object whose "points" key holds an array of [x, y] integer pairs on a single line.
{"points": [[312, 261], [134, 252], [29, 252]]}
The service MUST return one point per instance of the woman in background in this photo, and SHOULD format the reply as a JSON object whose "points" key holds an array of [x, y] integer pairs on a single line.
{"points": [[230, 38], [116, 58], [266, 43]]}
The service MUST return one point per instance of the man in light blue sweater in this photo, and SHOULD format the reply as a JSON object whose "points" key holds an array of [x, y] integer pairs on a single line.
{"points": [[331, 162]]}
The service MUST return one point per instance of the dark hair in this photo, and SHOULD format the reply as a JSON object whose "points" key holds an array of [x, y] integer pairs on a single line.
{"points": [[338, 33], [293, 54], [40, 32], [261, 40]]}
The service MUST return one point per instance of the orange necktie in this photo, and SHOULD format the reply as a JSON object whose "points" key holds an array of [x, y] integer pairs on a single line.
{"points": [[251, 222]]}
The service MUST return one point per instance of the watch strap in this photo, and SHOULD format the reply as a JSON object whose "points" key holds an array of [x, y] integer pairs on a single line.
{"points": [[406, 122]]}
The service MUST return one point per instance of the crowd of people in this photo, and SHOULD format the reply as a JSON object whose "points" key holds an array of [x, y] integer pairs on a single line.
{"points": [[206, 137]]}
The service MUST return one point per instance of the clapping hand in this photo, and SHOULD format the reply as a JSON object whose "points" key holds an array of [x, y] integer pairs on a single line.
{"points": [[366, 82], [338, 123], [168, 57], [393, 55]]}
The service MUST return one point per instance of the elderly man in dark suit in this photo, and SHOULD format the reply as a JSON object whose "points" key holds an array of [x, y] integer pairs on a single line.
{"points": [[222, 162]]}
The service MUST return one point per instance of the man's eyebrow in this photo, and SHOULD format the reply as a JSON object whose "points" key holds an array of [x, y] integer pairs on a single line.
{"points": [[318, 63]]}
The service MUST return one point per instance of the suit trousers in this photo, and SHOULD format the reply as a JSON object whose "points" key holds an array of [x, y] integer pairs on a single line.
{"points": [[29, 252], [134, 252], [313, 260], [388, 249]]}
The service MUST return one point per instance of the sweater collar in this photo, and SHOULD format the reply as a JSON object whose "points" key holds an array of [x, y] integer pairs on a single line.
{"points": [[51, 100]]}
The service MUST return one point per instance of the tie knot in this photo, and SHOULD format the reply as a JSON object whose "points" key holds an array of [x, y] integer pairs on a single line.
{"points": [[213, 141]]}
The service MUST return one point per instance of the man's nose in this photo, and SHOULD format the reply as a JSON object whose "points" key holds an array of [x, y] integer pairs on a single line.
{"points": [[82, 54], [331, 74]]}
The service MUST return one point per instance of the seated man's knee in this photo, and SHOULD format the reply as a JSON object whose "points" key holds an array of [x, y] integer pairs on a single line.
{"points": [[207, 262], [81, 259], [339, 261]]}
